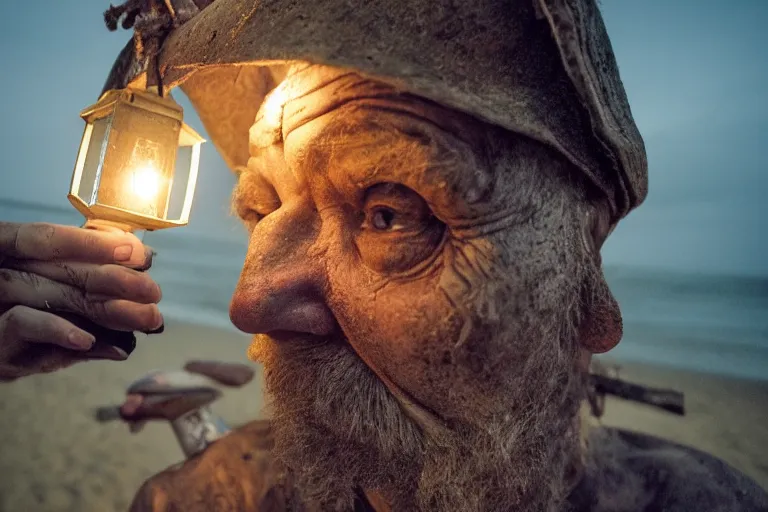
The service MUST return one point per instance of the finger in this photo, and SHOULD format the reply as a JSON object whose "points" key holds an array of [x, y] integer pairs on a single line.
{"points": [[33, 358], [42, 241], [101, 350], [98, 281], [98, 226], [22, 324], [110, 344], [33, 341], [42, 293]]}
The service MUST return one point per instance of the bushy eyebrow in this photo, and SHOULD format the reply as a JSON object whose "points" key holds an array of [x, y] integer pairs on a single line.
{"points": [[253, 192], [448, 173]]}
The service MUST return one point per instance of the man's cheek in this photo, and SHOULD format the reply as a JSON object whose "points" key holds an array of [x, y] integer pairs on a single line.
{"points": [[406, 333], [387, 324], [395, 320]]}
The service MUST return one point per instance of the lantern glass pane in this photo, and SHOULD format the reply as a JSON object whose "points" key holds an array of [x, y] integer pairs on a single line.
{"points": [[92, 164], [138, 166], [180, 182]]}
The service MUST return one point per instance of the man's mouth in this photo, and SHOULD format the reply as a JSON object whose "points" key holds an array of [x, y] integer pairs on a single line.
{"points": [[284, 336], [258, 348]]}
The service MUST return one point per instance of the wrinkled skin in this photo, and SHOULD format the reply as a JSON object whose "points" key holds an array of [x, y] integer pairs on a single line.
{"points": [[418, 326], [426, 293], [69, 294]]}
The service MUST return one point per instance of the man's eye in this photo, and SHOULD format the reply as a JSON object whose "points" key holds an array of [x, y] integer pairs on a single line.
{"points": [[399, 230], [382, 218]]}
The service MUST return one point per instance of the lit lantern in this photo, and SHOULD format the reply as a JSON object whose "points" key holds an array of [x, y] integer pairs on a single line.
{"points": [[137, 164]]}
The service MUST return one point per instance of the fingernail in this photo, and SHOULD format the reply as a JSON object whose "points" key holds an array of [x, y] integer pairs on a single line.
{"points": [[159, 324], [109, 352], [160, 321], [159, 330], [120, 354], [123, 253], [149, 255], [80, 340]]}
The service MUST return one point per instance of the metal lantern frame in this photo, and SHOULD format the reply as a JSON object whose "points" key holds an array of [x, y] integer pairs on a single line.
{"points": [[123, 102]]}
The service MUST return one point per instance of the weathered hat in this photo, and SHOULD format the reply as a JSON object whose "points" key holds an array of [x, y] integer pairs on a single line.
{"points": [[541, 68]]}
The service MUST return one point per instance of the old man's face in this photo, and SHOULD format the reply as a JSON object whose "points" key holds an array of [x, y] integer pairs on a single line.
{"points": [[413, 280]]}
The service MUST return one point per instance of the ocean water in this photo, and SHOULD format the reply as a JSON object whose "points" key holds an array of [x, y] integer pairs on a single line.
{"points": [[711, 323]]}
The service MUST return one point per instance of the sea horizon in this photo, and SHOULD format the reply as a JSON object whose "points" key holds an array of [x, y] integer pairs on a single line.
{"points": [[693, 320]]}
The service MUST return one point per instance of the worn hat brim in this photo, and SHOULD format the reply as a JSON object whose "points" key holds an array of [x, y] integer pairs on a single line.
{"points": [[544, 69]]}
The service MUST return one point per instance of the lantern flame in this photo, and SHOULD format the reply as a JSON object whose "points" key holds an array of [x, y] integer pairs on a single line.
{"points": [[145, 182]]}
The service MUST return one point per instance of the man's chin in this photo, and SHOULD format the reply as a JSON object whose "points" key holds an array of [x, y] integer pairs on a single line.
{"points": [[336, 425], [339, 427]]}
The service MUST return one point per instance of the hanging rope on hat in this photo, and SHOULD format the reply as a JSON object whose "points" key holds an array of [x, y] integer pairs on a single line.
{"points": [[152, 21]]}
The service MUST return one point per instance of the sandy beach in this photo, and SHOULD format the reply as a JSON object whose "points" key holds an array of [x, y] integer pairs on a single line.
{"points": [[55, 457]]}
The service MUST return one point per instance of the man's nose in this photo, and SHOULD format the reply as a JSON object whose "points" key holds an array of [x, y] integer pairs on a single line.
{"points": [[281, 287]]}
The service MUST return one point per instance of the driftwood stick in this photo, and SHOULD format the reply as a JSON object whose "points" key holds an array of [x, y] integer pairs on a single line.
{"points": [[668, 400]]}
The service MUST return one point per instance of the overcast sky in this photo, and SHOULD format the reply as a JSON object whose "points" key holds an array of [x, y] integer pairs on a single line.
{"points": [[696, 72]]}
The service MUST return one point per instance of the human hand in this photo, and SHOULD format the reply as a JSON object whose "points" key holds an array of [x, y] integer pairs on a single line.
{"points": [[70, 294]]}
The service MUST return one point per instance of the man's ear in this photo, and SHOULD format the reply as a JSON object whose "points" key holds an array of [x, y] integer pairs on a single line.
{"points": [[601, 325]]}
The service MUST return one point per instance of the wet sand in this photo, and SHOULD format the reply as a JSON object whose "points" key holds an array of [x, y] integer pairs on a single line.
{"points": [[724, 416], [55, 457]]}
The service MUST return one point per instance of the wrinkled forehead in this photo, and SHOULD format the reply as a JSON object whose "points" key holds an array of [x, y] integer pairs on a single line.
{"points": [[350, 106], [354, 131]]}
